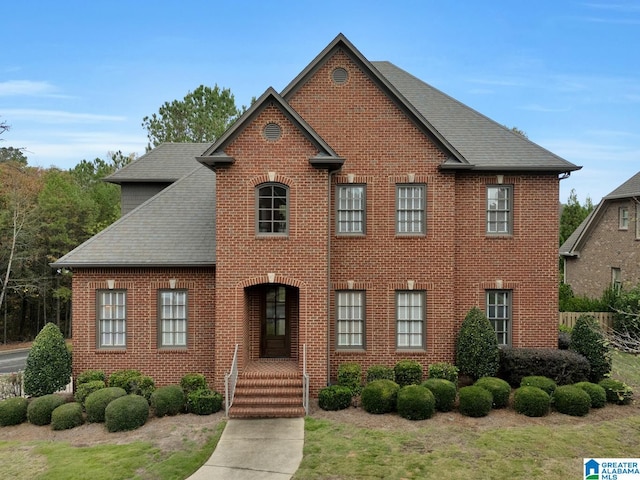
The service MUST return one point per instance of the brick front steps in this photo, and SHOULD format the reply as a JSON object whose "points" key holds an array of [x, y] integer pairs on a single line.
{"points": [[268, 389]]}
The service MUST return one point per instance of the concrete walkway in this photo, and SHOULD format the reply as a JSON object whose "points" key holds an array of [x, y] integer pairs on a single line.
{"points": [[258, 449]]}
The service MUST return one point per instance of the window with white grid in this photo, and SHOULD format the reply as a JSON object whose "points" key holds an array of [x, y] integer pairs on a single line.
{"points": [[499, 314], [499, 209], [351, 204], [410, 319], [112, 318], [350, 307], [172, 310], [410, 204]]}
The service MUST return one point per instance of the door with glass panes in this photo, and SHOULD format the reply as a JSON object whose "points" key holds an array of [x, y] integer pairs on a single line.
{"points": [[275, 336]]}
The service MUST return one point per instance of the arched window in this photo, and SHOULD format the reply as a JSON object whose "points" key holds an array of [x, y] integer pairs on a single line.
{"points": [[272, 200]]}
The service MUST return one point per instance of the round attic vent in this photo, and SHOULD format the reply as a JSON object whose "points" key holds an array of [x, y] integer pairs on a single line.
{"points": [[340, 75], [272, 132]]}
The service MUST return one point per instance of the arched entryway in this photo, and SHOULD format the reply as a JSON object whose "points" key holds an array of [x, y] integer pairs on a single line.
{"points": [[273, 318]]}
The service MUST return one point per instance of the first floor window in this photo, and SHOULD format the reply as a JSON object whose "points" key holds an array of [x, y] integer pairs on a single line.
{"points": [[410, 319], [499, 210], [499, 314], [616, 279], [112, 318], [173, 318], [351, 203], [350, 307]]}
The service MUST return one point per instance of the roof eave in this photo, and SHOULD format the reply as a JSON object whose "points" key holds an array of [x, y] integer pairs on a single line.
{"points": [[76, 265]]}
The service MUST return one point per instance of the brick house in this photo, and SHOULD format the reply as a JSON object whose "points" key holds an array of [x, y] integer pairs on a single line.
{"points": [[356, 216], [604, 250]]}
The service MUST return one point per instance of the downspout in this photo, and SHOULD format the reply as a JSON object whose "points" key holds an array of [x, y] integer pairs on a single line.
{"points": [[329, 210]]}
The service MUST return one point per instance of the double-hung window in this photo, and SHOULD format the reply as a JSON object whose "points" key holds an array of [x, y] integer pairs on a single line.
{"points": [[499, 209], [272, 209], [172, 313], [499, 314], [350, 317], [410, 319], [410, 209], [623, 218], [351, 207], [112, 318]]}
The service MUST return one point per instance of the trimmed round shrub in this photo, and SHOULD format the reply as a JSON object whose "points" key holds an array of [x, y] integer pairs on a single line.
{"points": [[125, 379], [617, 392], [444, 370], [500, 389], [13, 411], [571, 400], [408, 372], [169, 400], [531, 401], [380, 372], [588, 339], [444, 392], [597, 394], [126, 413], [334, 397], [48, 367], [477, 351], [85, 389], [564, 340], [204, 402], [350, 376], [539, 381], [192, 382], [66, 416], [40, 409], [96, 402], [415, 402], [474, 401], [379, 396], [91, 376], [143, 386]]}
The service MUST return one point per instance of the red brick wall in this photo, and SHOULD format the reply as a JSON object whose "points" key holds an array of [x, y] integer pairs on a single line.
{"points": [[166, 366], [606, 247]]}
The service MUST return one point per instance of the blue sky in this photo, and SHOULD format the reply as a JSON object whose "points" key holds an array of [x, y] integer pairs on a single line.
{"points": [[77, 77]]}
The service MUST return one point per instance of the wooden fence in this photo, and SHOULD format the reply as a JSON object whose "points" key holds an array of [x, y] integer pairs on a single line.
{"points": [[569, 318]]}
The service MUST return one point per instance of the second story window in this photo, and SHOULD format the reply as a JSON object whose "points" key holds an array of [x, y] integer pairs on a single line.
{"points": [[623, 218], [499, 209], [351, 204], [410, 204], [272, 209]]}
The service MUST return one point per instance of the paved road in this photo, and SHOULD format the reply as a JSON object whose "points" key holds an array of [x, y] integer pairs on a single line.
{"points": [[13, 361]]}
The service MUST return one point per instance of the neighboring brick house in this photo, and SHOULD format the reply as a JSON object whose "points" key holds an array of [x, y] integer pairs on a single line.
{"points": [[359, 214], [604, 250]]}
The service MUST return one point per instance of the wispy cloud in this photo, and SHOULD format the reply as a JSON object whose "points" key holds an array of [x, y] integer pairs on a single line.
{"points": [[60, 116], [13, 88]]}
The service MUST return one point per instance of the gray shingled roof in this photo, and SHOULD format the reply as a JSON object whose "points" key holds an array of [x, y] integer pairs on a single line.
{"points": [[167, 162], [630, 188], [485, 144], [174, 228]]}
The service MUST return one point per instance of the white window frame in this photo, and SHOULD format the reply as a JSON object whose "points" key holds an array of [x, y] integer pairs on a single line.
{"points": [[500, 314], [351, 209], [173, 308], [616, 279], [623, 218], [111, 318], [411, 323], [350, 319], [499, 209], [411, 209]]}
